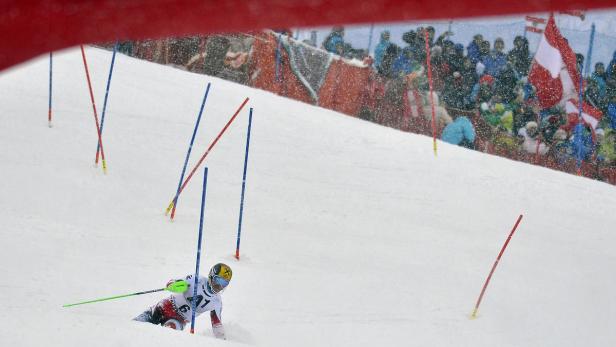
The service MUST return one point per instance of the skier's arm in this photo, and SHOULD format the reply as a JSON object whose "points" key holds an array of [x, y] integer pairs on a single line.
{"points": [[217, 328]]}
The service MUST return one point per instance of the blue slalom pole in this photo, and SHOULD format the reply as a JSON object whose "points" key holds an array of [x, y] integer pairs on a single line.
{"points": [[192, 140], [193, 302], [239, 226], [579, 129], [50, 78], [115, 49]]}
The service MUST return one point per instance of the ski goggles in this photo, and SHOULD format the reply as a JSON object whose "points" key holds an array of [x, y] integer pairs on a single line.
{"points": [[218, 283]]}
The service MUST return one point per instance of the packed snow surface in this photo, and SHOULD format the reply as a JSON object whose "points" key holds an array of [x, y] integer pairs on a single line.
{"points": [[354, 234]]}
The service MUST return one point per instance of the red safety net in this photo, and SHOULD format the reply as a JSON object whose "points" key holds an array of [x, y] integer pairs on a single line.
{"points": [[32, 27]]}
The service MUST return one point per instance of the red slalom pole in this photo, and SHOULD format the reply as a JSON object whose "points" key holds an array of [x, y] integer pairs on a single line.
{"points": [[474, 314], [171, 206], [98, 129], [429, 64]]}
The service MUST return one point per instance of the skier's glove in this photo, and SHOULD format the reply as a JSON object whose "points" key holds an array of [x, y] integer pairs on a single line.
{"points": [[170, 282]]}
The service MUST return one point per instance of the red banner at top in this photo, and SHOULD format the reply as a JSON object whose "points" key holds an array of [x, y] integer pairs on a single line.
{"points": [[30, 28]]}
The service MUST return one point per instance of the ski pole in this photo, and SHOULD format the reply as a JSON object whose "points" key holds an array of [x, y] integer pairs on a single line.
{"points": [[175, 287]]}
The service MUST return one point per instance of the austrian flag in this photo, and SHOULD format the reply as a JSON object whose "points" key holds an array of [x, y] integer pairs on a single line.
{"points": [[554, 71]]}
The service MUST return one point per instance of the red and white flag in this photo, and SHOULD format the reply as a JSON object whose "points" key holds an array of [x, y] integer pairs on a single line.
{"points": [[590, 115], [581, 14], [554, 70], [535, 24]]}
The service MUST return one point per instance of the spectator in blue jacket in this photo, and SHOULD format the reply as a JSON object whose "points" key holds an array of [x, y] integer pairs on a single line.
{"points": [[473, 49], [611, 65], [334, 40], [460, 132], [496, 61], [599, 77], [582, 142], [611, 111], [403, 65], [381, 48]]}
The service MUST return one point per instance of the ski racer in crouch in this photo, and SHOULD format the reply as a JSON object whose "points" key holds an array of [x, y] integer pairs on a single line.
{"points": [[176, 311]]}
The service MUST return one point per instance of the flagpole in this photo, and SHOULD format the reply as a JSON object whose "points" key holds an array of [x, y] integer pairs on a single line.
{"points": [[589, 55], [578, 129], [370, 37]]}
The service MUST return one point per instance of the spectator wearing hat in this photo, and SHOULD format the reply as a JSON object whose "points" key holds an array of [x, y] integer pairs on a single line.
{"points": [[496, 61], [484, 51], [441, 69], [469, 75], [599, 76], [455, 91], [529, 139], [611, 66], [460, 133], [610, 77], [483, 91], [453, 56], [390, 56], [494, 113], [381, 48], [611, 110], [472, 50], [505, 84], [594, 96], [560, 149], [335, 41], [582, 142], [607, 148], [519, 56]]}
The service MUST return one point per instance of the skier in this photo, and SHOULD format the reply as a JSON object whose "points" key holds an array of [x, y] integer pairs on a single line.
{"points": [[176, 311]]}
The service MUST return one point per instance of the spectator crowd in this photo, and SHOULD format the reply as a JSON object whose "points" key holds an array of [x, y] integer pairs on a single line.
{"points": [[483, 97]]}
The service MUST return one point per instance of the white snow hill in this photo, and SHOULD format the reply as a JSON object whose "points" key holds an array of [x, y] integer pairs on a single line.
{"points": [[354, 234]]}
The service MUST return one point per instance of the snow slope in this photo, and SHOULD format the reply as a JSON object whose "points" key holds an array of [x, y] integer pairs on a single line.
{"points": [[354, 234]]}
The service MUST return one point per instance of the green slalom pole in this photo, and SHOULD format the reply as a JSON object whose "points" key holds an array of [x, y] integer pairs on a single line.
{"points": [[175, 287]]}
